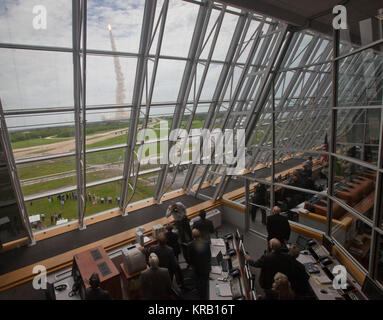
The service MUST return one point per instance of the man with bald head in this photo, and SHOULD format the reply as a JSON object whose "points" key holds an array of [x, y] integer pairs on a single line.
{"points": [[155, 282], [278, 226], [166, 256], [271, 263], [200, 261]]}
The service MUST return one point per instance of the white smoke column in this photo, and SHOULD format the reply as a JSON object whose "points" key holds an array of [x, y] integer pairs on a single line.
{"points": [[120, 90]]}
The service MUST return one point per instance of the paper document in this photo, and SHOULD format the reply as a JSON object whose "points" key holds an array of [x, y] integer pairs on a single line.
{"points": [[224, 290], [216, 269], [215, 250], [323, 279], [146, 239], [218, 242]]}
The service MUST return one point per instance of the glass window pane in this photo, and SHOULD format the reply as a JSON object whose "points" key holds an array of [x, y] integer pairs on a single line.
{"points": [[53, 210], [104, 164], [355, 236], [11, 227], [355, 186], [179, 28], [120, 74], [34, 135], [125, 19], [107, 127], [47, 175], [379, 260], [103, 197], [360, 79], [358, 134], [45, 22], [36, 79]]}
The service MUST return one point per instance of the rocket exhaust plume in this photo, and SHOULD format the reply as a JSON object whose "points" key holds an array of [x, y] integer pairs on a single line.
{"points": [[120, 90]]}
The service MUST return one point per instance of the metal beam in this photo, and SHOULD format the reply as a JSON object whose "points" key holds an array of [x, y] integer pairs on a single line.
{"points": [[13, 175], [146, 31]]}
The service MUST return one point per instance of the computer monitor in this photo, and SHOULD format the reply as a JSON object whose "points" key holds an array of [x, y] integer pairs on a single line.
{"points": [[327, 243], [371, 289]]}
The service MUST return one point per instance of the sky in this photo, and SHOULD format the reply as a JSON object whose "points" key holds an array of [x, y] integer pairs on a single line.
{"points": [[38, 79]]}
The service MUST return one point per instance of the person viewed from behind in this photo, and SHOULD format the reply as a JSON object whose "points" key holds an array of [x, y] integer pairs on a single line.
{"points": [[271, 263], [204, 226], [155, 281], [95, 292], [278, 226], [166, 257], [178, 211], [299, 278], [200, 261], [172, 240], [259, 198]]}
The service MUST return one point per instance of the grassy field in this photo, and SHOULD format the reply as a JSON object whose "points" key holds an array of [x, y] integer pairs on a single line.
{"points": [[145, 187], [69, 209], [36, 142]]}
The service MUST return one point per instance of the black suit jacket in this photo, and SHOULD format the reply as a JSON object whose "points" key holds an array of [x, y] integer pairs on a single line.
{"points": [[270, 264], [200, 257], [97, 294], [172, 241], [299, 279], [278, 227], [155, 284], [166, 257], [205, 227]]}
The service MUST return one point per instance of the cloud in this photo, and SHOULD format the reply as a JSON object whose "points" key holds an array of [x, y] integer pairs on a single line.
{"points": [[37, 79]]}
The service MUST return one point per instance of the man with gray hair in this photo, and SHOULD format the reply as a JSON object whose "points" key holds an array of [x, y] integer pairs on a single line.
{"points": [[155, 281], [271, 263]]}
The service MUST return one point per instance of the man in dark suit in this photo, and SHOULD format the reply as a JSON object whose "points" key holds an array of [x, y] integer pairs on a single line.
{"points": [[166, 257], [204, 226], [259, 198], [278, 226], [95, 292], [155, 282], [172, 240], [300, 278], [271, 263], [200, 261]]}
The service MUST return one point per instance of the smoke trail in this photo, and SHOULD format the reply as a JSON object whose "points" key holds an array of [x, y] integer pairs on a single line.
{"points": [[120, 94], [120, 90]]}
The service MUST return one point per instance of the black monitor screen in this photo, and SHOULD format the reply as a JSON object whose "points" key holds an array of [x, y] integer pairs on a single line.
{"points": [[371, 289]]}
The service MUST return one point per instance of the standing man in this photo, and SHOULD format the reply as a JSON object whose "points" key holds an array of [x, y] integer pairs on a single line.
{"points": [[259, 198], [204, 226], [166, 257], [172, 240], [182, 223], [200, 261], [272, 262], [155, 282], [278, 226]]}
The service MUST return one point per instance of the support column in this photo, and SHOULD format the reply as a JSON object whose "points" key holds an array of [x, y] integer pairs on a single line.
{"points": [[330, 189], [147, 26], [78, 20], [8, 155]]}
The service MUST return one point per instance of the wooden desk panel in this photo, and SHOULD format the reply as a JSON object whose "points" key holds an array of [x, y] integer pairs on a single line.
{"points": [[86, 265]]}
